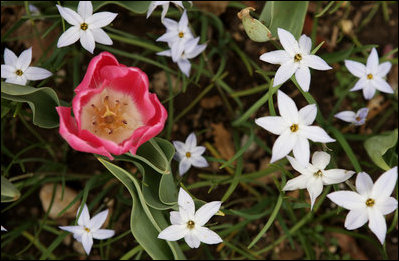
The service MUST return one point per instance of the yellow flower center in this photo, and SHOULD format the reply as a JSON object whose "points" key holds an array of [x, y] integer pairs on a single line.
{"points": [[188, 154], [370, 202], [111, 115], [297, 57], [19, 72], [190, 224], [357, 118], [369, 76], [87, 229], [84, 26], [318, 173], [181, 34], [294, 127]]}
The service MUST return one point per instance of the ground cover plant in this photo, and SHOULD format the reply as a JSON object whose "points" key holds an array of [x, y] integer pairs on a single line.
{"points": [[199, 130]]}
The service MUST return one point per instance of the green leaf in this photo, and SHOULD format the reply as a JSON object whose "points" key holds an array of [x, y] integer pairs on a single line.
{"points": [[336, 57], [145, 223], [139, 7], [42, 101], [9, 192], [289, 15], [378, 145]]}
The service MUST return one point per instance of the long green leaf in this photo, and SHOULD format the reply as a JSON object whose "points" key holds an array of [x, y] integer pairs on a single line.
{"points": [[378, 145], [9, 192]]}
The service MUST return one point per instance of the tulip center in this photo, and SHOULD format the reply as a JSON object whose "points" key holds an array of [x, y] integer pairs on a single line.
{"points": [[370, 202], [188, 154], [294, 127], [86, 229], [19, 72], [111, 115], [318, 174], [181, 34], [190, 224], [84, 26], [369, 76], [297, 57]]}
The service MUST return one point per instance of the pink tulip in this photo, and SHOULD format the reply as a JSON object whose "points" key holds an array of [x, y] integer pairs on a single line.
{"points": [[114, 111]]}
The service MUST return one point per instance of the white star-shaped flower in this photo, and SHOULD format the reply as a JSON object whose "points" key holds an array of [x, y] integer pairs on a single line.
{"points": [[293, 128], [17, 70], [314, 176], [165, 7], [86, 26], [177, 34], [295, 58], [191, 50], [371, 76], [3, 229], [189, 223], [370, 203], [88, 229], [358, 118], [189, 153]]}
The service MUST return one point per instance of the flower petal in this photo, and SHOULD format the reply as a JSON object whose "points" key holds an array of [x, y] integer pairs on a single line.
{"points": [[10, 58], [101, 37], [368, 91], [285, 72], [273, 124], [288, 41], [87, 242], [356, 218], [184, 66], [364, 184], [24, 60], [301, 150], [179, 146], [276, 57], [315, 187], [87, 40], [315, 62], [316, 134], [381, 85], [348, 116], [198, 161], [8, 71], [372, 62], [69, 37], [21, 80], [308, 114], [356, 68], [183, 23], [73, 229], [207, 236], [85, 9], [298, 166], [103, 233], [360, 84], [299, 182], [36, 73], [347, 199], [173, 232], [377, 224], [84, 218], [335, 176], [184, 166], [385, 184], [175, 218], [70, 16], [320, 159], [151, 8], [205, 212], [386, 205], [283, 145], [197, 151], [98, 220], [305, 44], [192, 240], [186, 206], [384, 68], [302, 76], [100, 19], [191, 141], [287, 108]]}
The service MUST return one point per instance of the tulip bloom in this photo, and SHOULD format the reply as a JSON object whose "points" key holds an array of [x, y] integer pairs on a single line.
{"points": [[113, 110]]}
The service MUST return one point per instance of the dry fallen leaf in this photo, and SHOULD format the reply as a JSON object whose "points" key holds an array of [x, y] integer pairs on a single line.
{"points": [[46, 193], [348, 245], [223, 141], [215, 7], [211, 102]]}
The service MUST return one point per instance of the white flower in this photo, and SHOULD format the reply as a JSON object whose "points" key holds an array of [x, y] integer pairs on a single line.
{"points": [[370, 203], [190, 224], [371, 76], [86, 26], [17, 70], [293, 128], [189, 153], [191, 50], [3, 229], [165, 7], [88, 229], [177, 34], [314, 176], [295, 58], [358, 118]]}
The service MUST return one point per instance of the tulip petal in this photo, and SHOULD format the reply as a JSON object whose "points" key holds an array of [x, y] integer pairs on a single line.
{"points": [[205, 212]]}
